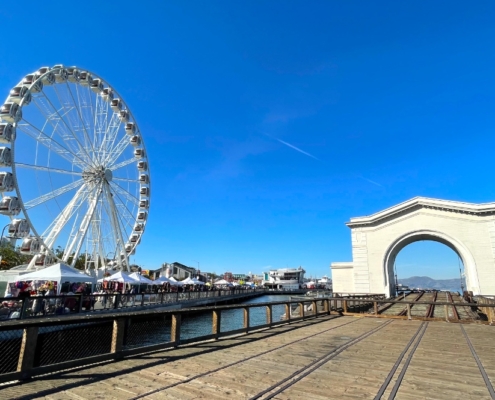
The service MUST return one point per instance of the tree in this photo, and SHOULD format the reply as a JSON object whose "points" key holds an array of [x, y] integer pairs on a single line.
{"points": [[12, 257]]}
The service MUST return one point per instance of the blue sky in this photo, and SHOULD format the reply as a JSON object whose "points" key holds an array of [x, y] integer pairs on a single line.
{"points": [[386, 100]]}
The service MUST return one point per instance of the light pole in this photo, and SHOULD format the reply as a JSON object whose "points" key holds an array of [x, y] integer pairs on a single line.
{"points": [[198, 266], [3, 231]]}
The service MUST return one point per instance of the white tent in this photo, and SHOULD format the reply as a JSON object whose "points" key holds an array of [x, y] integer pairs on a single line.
{"points": [[222, 282], [142, 279], [161, 280], [122, 278], [173, 281], [192, 281], [59, 273]]}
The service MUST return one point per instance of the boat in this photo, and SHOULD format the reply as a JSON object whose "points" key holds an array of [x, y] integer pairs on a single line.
{"points": [[284, 278], [325, 283]]}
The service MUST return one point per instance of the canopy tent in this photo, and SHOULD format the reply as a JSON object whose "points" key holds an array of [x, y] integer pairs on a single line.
{"points": [[161, 280], [235, 284], [175, 282], [192, 281], [120, 277], [59, 273], [142, 279], [223, 282]]}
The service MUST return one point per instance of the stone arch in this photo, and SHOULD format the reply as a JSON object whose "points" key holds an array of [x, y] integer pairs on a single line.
{"points": [[424, 234]]}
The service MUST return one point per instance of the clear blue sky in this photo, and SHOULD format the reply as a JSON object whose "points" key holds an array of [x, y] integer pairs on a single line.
{"points": [[386, 100]]}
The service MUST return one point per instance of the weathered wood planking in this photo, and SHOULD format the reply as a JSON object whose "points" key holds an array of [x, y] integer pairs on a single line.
{"points": [[442, 367]]}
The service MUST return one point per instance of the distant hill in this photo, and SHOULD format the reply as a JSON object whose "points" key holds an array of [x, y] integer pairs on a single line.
{"points": [[425, 282]]}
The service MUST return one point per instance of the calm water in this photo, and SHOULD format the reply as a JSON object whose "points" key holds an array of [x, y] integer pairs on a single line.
{"points": [[200, 324]]}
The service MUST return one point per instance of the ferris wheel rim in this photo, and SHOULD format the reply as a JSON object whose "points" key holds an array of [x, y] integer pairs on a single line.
{"points": [[142, 145]]}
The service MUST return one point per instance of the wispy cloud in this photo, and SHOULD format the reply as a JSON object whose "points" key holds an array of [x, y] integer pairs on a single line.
{"points": [[294, 147], [370, 181]]}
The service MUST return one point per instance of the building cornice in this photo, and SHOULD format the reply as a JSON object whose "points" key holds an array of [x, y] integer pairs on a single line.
{"points": [[418, 203]]}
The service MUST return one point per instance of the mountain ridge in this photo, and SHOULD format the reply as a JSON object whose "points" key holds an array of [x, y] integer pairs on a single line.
{"points": [[425, 282]]}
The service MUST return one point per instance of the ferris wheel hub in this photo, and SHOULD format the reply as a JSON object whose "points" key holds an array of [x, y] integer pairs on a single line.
{"points": [[98, 175]]}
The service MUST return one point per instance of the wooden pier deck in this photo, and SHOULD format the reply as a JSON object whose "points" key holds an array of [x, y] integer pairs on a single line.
{"points": [[329, 357]]}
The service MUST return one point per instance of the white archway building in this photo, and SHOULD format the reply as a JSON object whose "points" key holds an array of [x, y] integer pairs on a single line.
{"points": [[468, 229]]}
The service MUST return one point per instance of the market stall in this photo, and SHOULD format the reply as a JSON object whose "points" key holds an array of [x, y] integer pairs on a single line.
{"points": [[49, 279]]}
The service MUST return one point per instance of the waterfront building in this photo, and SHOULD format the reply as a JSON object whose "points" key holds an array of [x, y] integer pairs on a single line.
{"points": [[177, 270], [284, 278]]}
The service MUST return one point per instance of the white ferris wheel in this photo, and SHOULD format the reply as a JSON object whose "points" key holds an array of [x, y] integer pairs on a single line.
{"points": [[74, 173]]}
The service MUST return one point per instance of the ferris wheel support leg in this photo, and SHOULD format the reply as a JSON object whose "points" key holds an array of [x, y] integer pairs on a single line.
{"points": [[81, 234], [117, 231]]}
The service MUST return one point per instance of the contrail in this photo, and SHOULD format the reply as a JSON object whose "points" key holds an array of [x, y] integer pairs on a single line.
{"points": [[370, 181], [294, 147]]}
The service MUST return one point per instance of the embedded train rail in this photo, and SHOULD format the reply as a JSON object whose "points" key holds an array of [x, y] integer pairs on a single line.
{"points": [[432, 306]]}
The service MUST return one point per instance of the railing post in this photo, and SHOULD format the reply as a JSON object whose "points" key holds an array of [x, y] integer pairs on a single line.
{"points": [[345, 306], [301, 310], [23, 307], [269, 316], [408, 311], [116, 301], [217, 316], [375, 307], [117, 336], [142, 299], [446, 311], [175, 330], [287, 311], [81, 303], [28, 350], [246, 319], [315, 308], [326, 306], [161, 297]]}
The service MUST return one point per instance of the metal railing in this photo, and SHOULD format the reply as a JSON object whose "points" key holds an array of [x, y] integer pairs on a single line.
{"points": [[36, 346], [43, 306]]}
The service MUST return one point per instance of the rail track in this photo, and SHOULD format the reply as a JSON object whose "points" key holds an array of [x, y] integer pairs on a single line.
{"points": [[454, 312], [290, 380]]}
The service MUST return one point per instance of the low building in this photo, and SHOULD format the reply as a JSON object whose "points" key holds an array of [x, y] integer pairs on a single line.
{"points": [[284, 278], [177, 270]]}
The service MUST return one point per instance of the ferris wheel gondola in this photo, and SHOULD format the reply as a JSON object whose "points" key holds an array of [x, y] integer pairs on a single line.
{"points": [[74, 156]]}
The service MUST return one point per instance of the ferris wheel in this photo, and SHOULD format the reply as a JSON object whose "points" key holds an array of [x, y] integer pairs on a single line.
{"points": [[74, 173]]}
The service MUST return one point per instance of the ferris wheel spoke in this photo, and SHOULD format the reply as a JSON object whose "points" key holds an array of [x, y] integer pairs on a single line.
{"points": [[122, 205], [51, 144], [48, 169], [61, 118], [120, 190], [111, 134], [75, 246], [57, 122], [124, 180], [122, 164], [49, 196], [78, 110], [119, 240], [117, 151], [52, 232]]}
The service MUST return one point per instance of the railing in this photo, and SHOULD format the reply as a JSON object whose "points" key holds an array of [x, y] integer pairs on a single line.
{"points": [[486, 304], [36, 346], [42, 306]]}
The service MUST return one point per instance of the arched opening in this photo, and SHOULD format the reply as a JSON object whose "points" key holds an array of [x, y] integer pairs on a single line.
{"points": [[429, 264], [466, 259]]}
